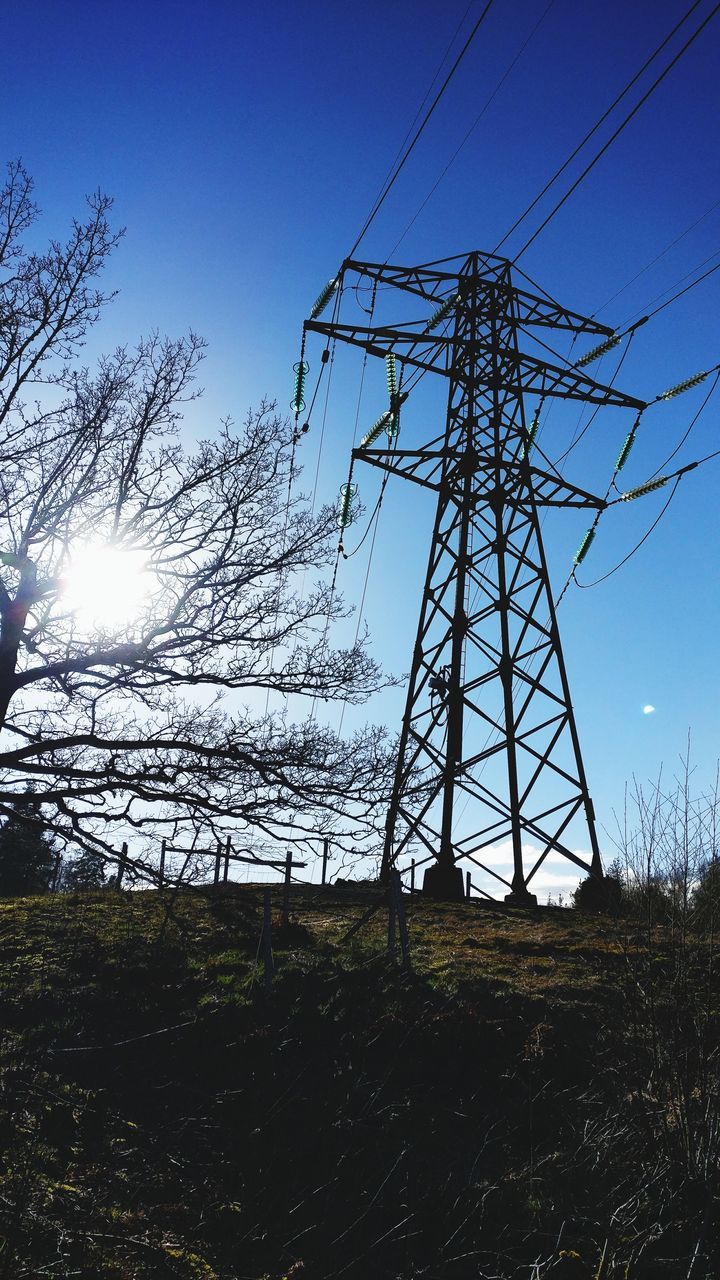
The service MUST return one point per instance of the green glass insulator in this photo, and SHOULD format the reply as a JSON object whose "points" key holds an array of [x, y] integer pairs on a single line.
{"points": [[584, 547], [442, 312], [532, 432], [323, 298], [598, 351], [683, 386], [649, 487], [377, 429], [625, 451], [345, 514], [297, 404], [391, 372]]}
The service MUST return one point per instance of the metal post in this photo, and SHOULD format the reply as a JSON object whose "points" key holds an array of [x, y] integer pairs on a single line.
{"points": [[226, 869], [392, 914], [326, 850], [268, 963], [121, 865], [286, 888], [218, 860], [468, 884], [402, 923], [412, 875], [161, 875]]}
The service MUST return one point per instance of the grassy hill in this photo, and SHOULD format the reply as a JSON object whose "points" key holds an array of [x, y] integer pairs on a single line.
{"points": [[535, 1098]]}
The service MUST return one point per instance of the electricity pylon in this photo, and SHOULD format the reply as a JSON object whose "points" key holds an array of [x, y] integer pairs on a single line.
{"points": [[488, 718]]}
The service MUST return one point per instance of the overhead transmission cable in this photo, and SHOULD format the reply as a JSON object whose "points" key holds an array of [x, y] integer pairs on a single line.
{"points": [[669, 301], [616, 133], [429, 90], [390, 182], [474, 125], [657, 258]]}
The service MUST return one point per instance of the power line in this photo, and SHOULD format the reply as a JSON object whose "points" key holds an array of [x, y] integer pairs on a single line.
{"points": [[418, 113], [385, 191], [623, 124], [584, 586], [474, 125], [669, 301], [594, 129], [657, 257]]}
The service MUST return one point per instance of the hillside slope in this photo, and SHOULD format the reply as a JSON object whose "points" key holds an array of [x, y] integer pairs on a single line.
{"points": [[499, 1111]]}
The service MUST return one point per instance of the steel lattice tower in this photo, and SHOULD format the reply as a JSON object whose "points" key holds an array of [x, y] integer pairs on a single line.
{"points": [[488, 720]]}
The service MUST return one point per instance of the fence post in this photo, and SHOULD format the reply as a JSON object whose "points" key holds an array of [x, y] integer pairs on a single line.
{"points": [[269, 966], [121, 865], [161, 877], [392, 912], [326, 850], [468, 883], [56, 872], [226, 869], [286, 888], [412, 875], [218, 859], [402, 922]]}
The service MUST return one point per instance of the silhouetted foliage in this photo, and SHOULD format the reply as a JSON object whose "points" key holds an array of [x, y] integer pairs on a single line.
{"points": [[27, 858], [86, 871], [706, 896], [122, 724], [603, 895]]}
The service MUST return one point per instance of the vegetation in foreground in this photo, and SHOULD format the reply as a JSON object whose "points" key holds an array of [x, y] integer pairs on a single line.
{"points": [[538, 1097]]}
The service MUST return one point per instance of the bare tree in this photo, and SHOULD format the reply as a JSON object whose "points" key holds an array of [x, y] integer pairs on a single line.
{"points": [[156, 720]]}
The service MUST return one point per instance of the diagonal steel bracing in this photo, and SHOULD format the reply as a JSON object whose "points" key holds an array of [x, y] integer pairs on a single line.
{"points": [[489, 752]]}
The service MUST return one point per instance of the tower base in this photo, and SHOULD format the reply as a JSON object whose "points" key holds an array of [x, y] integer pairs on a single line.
{"points": [[520, 898], [445, 884]]}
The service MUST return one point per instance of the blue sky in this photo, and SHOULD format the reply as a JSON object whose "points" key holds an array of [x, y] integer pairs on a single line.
{"points": [[244, 144]]}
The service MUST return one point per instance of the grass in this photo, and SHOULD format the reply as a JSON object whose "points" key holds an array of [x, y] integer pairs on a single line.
{"points": [[165, 1115]]}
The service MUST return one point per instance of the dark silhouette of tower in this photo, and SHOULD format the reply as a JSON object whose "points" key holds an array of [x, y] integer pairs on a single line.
{"points": [[489, 751]]}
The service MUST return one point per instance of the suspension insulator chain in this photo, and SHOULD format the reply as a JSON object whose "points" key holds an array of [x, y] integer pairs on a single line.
{"points": [[624, 453], [301, 370], [443, 312], [533, 429], [596, 352], [683, 386], [649, 487], [384, 423], [345, 513], [585, 545], [323, 298]]}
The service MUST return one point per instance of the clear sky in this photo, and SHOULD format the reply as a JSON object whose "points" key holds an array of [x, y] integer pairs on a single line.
{"points": [[244, 143]]}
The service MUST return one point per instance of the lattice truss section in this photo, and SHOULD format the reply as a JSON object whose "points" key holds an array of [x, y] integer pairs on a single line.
{"points": [[489, 753]]}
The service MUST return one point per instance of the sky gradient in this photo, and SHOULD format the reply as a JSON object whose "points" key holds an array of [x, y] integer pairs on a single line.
{"points": [[244, 144]]}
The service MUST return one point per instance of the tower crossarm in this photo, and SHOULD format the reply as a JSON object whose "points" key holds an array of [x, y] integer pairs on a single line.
{"points": [[436, 284], [502, 368], [425, 467], [551, 491]]}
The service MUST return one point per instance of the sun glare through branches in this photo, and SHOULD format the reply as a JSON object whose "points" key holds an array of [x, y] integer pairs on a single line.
{"points": [[106, 586]]}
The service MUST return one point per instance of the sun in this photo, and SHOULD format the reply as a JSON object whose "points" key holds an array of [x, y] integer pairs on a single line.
{"points": [[105, 586]]}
